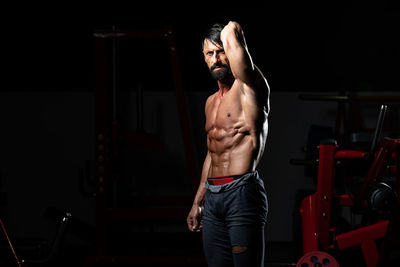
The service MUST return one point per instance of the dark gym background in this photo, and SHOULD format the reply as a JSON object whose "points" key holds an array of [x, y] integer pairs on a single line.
{"points": [[47, 104]]}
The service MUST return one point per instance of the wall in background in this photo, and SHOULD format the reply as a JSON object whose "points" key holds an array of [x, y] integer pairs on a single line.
{"points": [[46, 138]]}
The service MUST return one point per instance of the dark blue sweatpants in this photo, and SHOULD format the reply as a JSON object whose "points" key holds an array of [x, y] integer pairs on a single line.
{"points": [[233, 222]]}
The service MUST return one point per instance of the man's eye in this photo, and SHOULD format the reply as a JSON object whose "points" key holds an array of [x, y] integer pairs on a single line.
{"points": [[209, 53]]}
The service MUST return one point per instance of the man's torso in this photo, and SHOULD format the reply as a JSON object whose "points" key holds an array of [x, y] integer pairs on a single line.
{"points": [[236, 126]]}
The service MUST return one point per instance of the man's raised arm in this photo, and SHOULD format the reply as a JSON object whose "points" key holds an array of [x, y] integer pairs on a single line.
{"points": [[240, 61], [235, 48]]}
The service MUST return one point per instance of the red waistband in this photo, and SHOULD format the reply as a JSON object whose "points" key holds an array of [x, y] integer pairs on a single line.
{"points": [[221, 180]]}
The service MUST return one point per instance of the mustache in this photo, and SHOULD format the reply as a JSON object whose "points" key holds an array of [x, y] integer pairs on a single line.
{"points": [[218, 65]]}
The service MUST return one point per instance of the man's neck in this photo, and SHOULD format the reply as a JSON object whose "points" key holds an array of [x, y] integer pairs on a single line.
{"points": [[225, 85]]}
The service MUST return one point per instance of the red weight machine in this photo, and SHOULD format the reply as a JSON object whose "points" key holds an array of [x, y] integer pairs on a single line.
{"points": [[378, 235]]}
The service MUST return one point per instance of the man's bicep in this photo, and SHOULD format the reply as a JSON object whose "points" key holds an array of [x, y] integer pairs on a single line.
{"points": [[241, 65], [257, 84]]}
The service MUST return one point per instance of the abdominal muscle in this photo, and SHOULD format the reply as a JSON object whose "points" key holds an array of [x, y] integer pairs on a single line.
{"points": [[233, 136], [232, 152]]}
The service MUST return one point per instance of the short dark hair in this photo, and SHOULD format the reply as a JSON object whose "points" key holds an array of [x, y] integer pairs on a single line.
{"points": [[213, 34]]}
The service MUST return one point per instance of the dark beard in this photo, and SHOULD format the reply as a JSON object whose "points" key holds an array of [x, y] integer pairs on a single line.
{"points": [[221, 74]]}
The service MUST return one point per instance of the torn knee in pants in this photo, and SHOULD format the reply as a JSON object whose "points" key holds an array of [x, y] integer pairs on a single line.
{"points": [[239, 249]]}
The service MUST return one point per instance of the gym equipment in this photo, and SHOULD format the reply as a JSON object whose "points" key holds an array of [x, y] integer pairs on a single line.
{"points": [[54, 249], [317, 259], [109, 132], [376, 201], [50, 258], [18, 262]]}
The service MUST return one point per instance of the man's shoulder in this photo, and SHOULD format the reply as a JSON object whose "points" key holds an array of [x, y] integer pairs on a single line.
{"points": [[210, 98]]}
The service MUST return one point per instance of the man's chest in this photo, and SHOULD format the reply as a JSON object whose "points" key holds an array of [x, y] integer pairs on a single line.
{"points": [[224, 111]]}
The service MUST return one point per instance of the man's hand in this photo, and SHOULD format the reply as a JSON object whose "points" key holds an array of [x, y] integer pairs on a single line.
{"points": [[233, 28], [194, 219]]}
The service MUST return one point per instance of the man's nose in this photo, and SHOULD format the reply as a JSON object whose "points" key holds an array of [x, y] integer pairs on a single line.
{"points": [[215, 58]]}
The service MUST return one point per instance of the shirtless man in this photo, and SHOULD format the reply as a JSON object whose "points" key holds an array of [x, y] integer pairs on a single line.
{"points": [[230, 206]]}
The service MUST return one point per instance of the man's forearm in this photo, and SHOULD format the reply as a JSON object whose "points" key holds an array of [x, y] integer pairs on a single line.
{"points": [[236, 50], [199, 198], [201, 191]]}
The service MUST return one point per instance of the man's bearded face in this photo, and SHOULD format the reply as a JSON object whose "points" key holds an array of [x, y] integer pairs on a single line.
{"points": [[219, 71]]}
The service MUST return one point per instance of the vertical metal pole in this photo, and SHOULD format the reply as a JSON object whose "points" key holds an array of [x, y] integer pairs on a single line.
{"points": [[101, 85], [139, 107], [308, 223], [115, 131], [114, 76], [183, 114], [324, 194]]}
